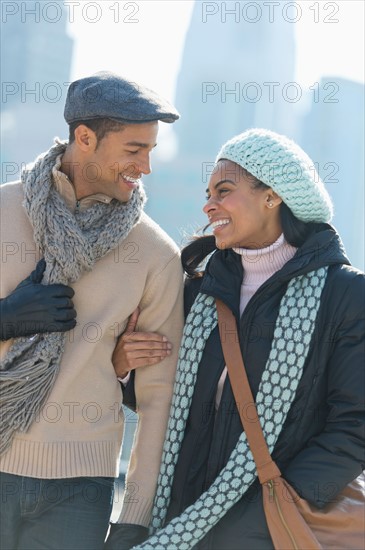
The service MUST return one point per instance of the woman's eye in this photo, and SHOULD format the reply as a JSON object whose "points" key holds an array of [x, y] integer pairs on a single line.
{"points": [[219, 192]]}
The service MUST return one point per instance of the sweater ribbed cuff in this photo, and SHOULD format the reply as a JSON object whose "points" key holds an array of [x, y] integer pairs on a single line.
{"points": [[136, 511]]}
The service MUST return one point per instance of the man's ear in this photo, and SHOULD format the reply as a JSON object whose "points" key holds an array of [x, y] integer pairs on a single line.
{"points": [[85, 138], [272, 199]]}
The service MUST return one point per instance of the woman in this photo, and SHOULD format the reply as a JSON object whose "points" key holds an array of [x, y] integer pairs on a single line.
{"points": [[282, 270]]}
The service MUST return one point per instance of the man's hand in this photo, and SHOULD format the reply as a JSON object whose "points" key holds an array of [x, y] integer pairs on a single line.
{"points": [[34, 308], [138, 349]]}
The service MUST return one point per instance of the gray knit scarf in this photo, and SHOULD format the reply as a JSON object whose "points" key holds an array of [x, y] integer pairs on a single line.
{"points": [[292, 337], [70, 244]]}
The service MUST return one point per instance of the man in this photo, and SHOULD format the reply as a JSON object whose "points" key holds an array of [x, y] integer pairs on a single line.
{"points": [[80, 207]]}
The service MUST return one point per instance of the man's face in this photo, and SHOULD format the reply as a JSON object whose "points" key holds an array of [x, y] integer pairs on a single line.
{"points": [[117, 162]]}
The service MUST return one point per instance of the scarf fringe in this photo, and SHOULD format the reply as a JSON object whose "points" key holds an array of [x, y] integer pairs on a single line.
{"points": [[21, 400]]}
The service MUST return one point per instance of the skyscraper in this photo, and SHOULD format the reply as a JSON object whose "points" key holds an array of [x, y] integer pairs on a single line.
{"points": [[35, 71], [333, 135], [231, 78]]}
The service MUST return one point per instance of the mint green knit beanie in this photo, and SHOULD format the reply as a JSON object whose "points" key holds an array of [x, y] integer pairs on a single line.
{"points": [[280, 163]]}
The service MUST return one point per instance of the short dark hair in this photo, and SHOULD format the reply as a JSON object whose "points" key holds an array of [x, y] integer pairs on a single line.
{"points": [[295, 232], [101, 127]]}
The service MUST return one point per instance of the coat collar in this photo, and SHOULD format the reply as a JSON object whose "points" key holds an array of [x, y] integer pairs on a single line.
{"points": [[224, 271]]}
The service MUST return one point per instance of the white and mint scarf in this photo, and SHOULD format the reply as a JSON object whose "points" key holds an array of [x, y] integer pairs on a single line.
{"points": [[284, 368]]}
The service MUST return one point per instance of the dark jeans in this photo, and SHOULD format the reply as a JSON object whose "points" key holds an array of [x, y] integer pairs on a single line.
{"points": [[54, 514]]}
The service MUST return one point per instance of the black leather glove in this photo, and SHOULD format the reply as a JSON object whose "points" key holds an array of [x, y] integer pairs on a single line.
{"points": [[123, 536], [129, 394], [35, 308]]}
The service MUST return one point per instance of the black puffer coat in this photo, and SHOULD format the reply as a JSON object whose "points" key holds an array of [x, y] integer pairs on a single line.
{"points": [[321, 447]]}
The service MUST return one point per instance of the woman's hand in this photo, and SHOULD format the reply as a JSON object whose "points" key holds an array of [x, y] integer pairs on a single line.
{"points": [[138, 349]]}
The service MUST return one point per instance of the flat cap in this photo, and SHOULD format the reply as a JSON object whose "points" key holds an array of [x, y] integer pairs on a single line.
{"points": [[108, 95]]}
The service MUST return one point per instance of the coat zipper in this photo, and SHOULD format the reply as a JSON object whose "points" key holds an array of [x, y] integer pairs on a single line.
{"points": [[273, 495]]}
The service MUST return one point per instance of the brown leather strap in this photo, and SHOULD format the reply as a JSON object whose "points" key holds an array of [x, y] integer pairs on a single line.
{"points": [[266, 467]]}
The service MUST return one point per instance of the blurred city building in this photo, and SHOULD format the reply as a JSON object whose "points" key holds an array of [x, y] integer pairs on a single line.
{"points": [[235, 75], [230, 79], [333, 135], [35, 74]]}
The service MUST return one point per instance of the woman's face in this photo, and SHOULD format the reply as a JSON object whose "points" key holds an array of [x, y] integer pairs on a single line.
{"points": [[239, 215]]}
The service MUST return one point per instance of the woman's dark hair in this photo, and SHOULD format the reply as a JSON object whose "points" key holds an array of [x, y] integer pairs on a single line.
{"points": [[295, 232], [101, 127]]}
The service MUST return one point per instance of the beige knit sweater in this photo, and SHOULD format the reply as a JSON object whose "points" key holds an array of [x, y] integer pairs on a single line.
{"points": [[80, 428]]}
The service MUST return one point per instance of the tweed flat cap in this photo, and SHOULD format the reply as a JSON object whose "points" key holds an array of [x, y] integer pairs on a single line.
{"points": [[108, 95], [280, 163]]}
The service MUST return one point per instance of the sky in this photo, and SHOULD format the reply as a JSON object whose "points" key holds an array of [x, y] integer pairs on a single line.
{"points": [[144, 39], [333, 46]]}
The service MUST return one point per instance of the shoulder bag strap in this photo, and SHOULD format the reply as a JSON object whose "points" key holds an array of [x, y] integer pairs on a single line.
{"points": [[266, 467]]}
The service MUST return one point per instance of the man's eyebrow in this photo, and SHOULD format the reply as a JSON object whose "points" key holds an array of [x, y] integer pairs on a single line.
{"points": [[220, 182], [139, 144]]}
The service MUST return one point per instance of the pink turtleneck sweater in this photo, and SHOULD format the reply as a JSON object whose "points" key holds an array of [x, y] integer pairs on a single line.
{"points": [[258, 265]]}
